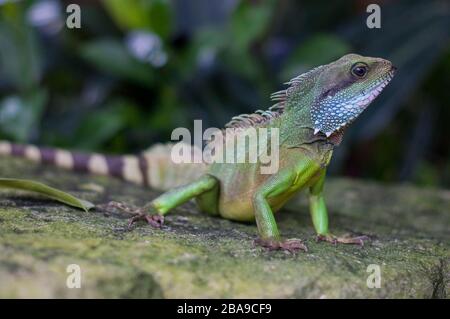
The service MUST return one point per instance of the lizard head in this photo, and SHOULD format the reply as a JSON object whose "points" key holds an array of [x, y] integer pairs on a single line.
{"points": [[345, 88]]}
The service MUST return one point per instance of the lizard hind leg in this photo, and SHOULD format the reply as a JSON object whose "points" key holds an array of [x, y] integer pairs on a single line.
{"points": [[153, 213]]}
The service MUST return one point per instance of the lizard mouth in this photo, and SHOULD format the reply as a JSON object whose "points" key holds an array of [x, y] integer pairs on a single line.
{"points": [[369, 95]]}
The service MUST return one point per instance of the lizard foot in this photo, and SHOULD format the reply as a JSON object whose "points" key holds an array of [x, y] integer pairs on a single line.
{"points": [[346, 239], [154, 220], [291, 245], [138, 213]]}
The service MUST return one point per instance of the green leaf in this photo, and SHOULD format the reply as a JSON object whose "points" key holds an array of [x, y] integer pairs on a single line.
{"points": [[105, 123], [153, 15], [20, 54], [32, 186], [112, 57], [19, 115], [249, 21]]}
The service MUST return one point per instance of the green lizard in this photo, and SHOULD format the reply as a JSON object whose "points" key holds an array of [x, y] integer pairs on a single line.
{"points": [[311, 116]]}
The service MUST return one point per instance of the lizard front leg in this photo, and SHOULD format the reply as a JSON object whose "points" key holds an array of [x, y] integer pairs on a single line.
{"points": [[286, 181], [268, 229], [319, 216]]}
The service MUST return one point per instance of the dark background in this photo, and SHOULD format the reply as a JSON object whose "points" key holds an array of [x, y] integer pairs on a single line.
{"points": [[139, 68]]}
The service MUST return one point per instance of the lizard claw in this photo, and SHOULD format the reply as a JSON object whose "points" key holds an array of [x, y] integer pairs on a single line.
{"points": [[346, 239], [155, 220], [290, 245], [138, 213]]}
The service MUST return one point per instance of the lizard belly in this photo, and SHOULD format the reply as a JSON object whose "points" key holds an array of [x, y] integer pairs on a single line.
{"points": [[241, 208], [237, 186], [238, 205]]}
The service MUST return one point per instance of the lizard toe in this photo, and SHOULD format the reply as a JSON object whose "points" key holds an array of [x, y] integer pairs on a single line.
{"points": [[291, 245]]}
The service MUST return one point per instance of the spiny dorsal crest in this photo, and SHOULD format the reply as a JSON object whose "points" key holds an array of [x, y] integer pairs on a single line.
{"points": [[261, 117], [258, 118]]}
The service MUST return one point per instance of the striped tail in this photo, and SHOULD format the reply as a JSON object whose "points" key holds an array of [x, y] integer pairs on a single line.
{"points": [[153, 168]]}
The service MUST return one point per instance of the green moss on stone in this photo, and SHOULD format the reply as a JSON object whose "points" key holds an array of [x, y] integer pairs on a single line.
{"points": [[197, 256]]}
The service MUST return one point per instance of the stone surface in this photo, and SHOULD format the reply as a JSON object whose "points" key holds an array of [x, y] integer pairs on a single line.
{"points": [[196, 256]]}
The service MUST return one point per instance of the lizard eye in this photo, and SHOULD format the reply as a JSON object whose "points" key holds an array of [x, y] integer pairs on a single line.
{"points": [[359, 70]]}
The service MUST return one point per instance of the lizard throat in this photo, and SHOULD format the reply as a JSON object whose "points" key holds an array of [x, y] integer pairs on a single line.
{"points": [[336, 112]]}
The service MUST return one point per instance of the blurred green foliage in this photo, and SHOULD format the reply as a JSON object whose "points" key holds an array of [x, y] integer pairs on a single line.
{"points": [[137, 69], [155, 15]]}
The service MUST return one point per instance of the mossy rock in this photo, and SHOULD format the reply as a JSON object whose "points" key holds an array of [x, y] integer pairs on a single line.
{"points": [[196, 256]]}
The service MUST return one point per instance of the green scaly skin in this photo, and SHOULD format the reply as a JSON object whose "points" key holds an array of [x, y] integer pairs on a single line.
{"points": [[316, 109]]}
